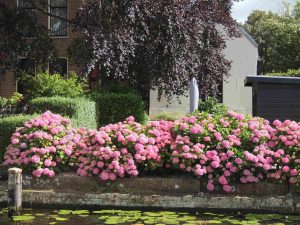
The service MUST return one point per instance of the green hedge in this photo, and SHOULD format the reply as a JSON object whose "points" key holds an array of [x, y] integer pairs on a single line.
{"points": [[289, 73], [113, 107], [8, 126], [81, 111]]}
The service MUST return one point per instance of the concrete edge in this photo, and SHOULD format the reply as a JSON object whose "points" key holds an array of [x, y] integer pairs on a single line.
{"points": [[50, 198]]}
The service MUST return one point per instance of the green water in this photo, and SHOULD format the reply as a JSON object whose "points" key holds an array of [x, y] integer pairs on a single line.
{"points": [[137, 217]]}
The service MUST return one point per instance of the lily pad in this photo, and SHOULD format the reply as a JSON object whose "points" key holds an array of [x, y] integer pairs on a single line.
{"points": [[23, 218], [214, 221], [61, 219]]}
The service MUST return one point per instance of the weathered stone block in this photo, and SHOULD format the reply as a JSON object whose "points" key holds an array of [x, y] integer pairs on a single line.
{"points": [[154, 185], [259, 189], [294, 189], [262, 188], [69, 181]]}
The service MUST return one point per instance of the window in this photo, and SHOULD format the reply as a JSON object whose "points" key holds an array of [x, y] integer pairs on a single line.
{"points": [[58, 26], [26, 66], [29, 8], [59, 65]]}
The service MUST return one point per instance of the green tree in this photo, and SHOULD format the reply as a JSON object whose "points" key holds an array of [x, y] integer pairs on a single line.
{"points": [[278, 37], [21, 36], [296, 11]]}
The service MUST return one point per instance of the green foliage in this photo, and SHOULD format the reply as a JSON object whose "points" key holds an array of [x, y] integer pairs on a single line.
{"points": [[46, 85], [212, 106], [296, 11], [81, 111], [289, 73], [3, 102], [278, 39], [8, 126], [169, 116], [114, 107], [15, 99]]}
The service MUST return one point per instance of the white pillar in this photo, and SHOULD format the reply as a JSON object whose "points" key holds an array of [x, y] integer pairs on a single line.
{"points": [[194, 95]]}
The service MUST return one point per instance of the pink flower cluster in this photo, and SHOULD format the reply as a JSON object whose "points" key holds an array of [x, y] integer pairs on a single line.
{"points": [[43, 146], [218, 149], [116, 150], [235, 148]]}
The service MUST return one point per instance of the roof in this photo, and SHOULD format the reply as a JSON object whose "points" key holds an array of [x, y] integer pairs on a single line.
{"points": [[271, 79], [248, 36]]}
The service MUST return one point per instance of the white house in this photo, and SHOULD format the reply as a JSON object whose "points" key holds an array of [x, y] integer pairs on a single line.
{"points": [[243, 52]]}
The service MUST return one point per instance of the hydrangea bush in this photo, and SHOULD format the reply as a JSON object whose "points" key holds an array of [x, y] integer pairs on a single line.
{"points": [[116, 150], [235, 148], [44, 145], [218, 149]]}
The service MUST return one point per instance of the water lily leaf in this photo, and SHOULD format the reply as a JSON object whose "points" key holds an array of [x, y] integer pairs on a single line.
{"points": [[23, 218], [186, 218], [167, 212], [64, 212], [39, 214], [52, 223], [61, 219], [80, 212], [214, 221], [111, 222], [151, 214]]}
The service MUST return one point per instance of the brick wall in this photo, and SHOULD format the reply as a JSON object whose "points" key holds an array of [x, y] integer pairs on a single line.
{"points": [[8, 82]]}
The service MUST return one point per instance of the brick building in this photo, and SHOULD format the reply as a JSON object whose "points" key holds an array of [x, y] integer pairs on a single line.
{"points": [[59, 31]]}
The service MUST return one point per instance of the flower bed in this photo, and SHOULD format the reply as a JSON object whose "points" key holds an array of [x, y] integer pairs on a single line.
{"points": [[219, 150]]}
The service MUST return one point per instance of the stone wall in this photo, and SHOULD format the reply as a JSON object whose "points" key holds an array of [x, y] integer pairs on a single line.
{"points": [[169, 192]]}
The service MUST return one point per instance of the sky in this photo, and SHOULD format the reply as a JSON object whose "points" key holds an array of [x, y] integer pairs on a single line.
{"points": [[242, 9]]}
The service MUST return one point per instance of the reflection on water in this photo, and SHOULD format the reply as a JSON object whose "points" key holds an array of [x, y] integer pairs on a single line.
{"points": [[137, 217]]}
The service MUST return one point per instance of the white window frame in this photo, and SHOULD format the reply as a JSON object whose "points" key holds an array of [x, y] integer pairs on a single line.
{"points": [[49, 20]]}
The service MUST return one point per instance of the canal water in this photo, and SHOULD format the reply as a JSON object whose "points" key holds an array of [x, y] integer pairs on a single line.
{"points": [[137, 217]]}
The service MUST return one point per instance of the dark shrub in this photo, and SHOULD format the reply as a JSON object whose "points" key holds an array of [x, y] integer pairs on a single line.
{"points": [[113, 107]]}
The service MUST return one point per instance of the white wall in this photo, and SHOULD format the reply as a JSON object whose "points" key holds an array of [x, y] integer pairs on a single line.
{"points": [[243, 54], [157, 107]]}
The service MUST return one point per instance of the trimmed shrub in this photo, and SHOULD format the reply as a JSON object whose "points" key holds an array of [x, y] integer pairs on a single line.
{"points": [[114, 107], [81, 111], [7, 127]]}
